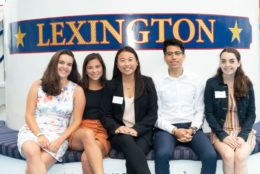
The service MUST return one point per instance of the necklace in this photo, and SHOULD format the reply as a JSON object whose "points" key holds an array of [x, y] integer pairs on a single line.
{"points": [[128, 86]]}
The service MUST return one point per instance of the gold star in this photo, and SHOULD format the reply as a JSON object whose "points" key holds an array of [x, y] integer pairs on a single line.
{"points": [[235, 32], [19, 37]]}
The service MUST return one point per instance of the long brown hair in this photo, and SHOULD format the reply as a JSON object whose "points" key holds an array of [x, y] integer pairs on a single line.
{"points": [[241, 81], [139, 83], [85, 77], [51, 79]]}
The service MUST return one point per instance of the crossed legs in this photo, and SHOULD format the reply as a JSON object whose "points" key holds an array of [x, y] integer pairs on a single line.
{"points": [[38, 161], [92, 157]]}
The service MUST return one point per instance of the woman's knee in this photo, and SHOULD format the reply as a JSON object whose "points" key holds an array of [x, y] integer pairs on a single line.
{"points": [[228, 156], [84, 158], [31, 151], [88, 136], [240, 157]]}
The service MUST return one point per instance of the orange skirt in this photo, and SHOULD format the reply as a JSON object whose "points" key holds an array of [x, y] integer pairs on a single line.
{"points": [[98, 130]]}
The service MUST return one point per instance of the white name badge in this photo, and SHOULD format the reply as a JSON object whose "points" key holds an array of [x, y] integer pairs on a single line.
{"points": [[117, 100], [220, 94]]}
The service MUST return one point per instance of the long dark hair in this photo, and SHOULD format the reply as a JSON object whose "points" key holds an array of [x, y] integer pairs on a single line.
{"points": [[139, 82], [85, 77], [51, 79], [241, 81]]}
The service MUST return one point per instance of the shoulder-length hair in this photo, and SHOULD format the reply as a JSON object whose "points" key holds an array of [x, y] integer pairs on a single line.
{"points": [[85, 77], [51, 79], [139, 82], [241, 81]]}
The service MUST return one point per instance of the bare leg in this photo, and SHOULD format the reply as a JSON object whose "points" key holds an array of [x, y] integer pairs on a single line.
{"points": [[86, 168], [241, 156], [93, 152], [27, 170], [47, 159], [228, 157], [32, 152]]}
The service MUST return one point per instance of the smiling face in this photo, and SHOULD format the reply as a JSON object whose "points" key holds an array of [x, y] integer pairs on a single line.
{"points": [[94, 70], [174, 57], [229, 63], [127, 63], [64, 66]]}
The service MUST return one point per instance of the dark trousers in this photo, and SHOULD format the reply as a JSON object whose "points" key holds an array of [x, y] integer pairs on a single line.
{"points": [[134, 150], [165, 143]]}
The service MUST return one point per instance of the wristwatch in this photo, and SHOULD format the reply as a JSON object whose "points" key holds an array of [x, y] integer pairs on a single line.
{"points": [[194, 130]]}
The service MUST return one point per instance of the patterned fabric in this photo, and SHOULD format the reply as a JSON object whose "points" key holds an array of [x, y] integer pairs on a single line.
{"points": [[2, 123], [231, 125], [8, 147], [8, 142], [180, 153], [256, 127], [53, 114]]}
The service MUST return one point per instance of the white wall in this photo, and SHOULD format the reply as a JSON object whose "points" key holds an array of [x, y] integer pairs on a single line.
{"points": [[2, 79], [1, 45], [23, 69]]}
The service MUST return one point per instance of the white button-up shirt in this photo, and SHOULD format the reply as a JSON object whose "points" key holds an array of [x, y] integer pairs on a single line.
{"points": [[180, 100]]}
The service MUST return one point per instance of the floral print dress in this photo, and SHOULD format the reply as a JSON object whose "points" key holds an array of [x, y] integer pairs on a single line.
{"points": [[53, 114]]}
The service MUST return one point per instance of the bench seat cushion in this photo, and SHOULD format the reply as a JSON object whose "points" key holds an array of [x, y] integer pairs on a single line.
{"points": [[8, 147], [180, 153]]}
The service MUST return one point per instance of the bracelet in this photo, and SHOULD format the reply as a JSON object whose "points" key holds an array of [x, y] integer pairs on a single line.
{"points": [[39, 134]]}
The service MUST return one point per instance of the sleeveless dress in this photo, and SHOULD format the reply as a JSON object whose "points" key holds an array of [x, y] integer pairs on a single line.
{"points": [[53, 114]]}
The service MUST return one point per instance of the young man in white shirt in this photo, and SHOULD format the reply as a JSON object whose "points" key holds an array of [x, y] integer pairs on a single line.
{"points": [[180, 112]]}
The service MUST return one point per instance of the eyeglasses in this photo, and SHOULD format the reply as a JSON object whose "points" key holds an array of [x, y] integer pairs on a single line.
{"points": [[175, 53]]}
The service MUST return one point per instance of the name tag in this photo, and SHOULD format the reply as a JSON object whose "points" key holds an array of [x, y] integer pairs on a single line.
{"points": [[117, 100], [220, 94]]}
